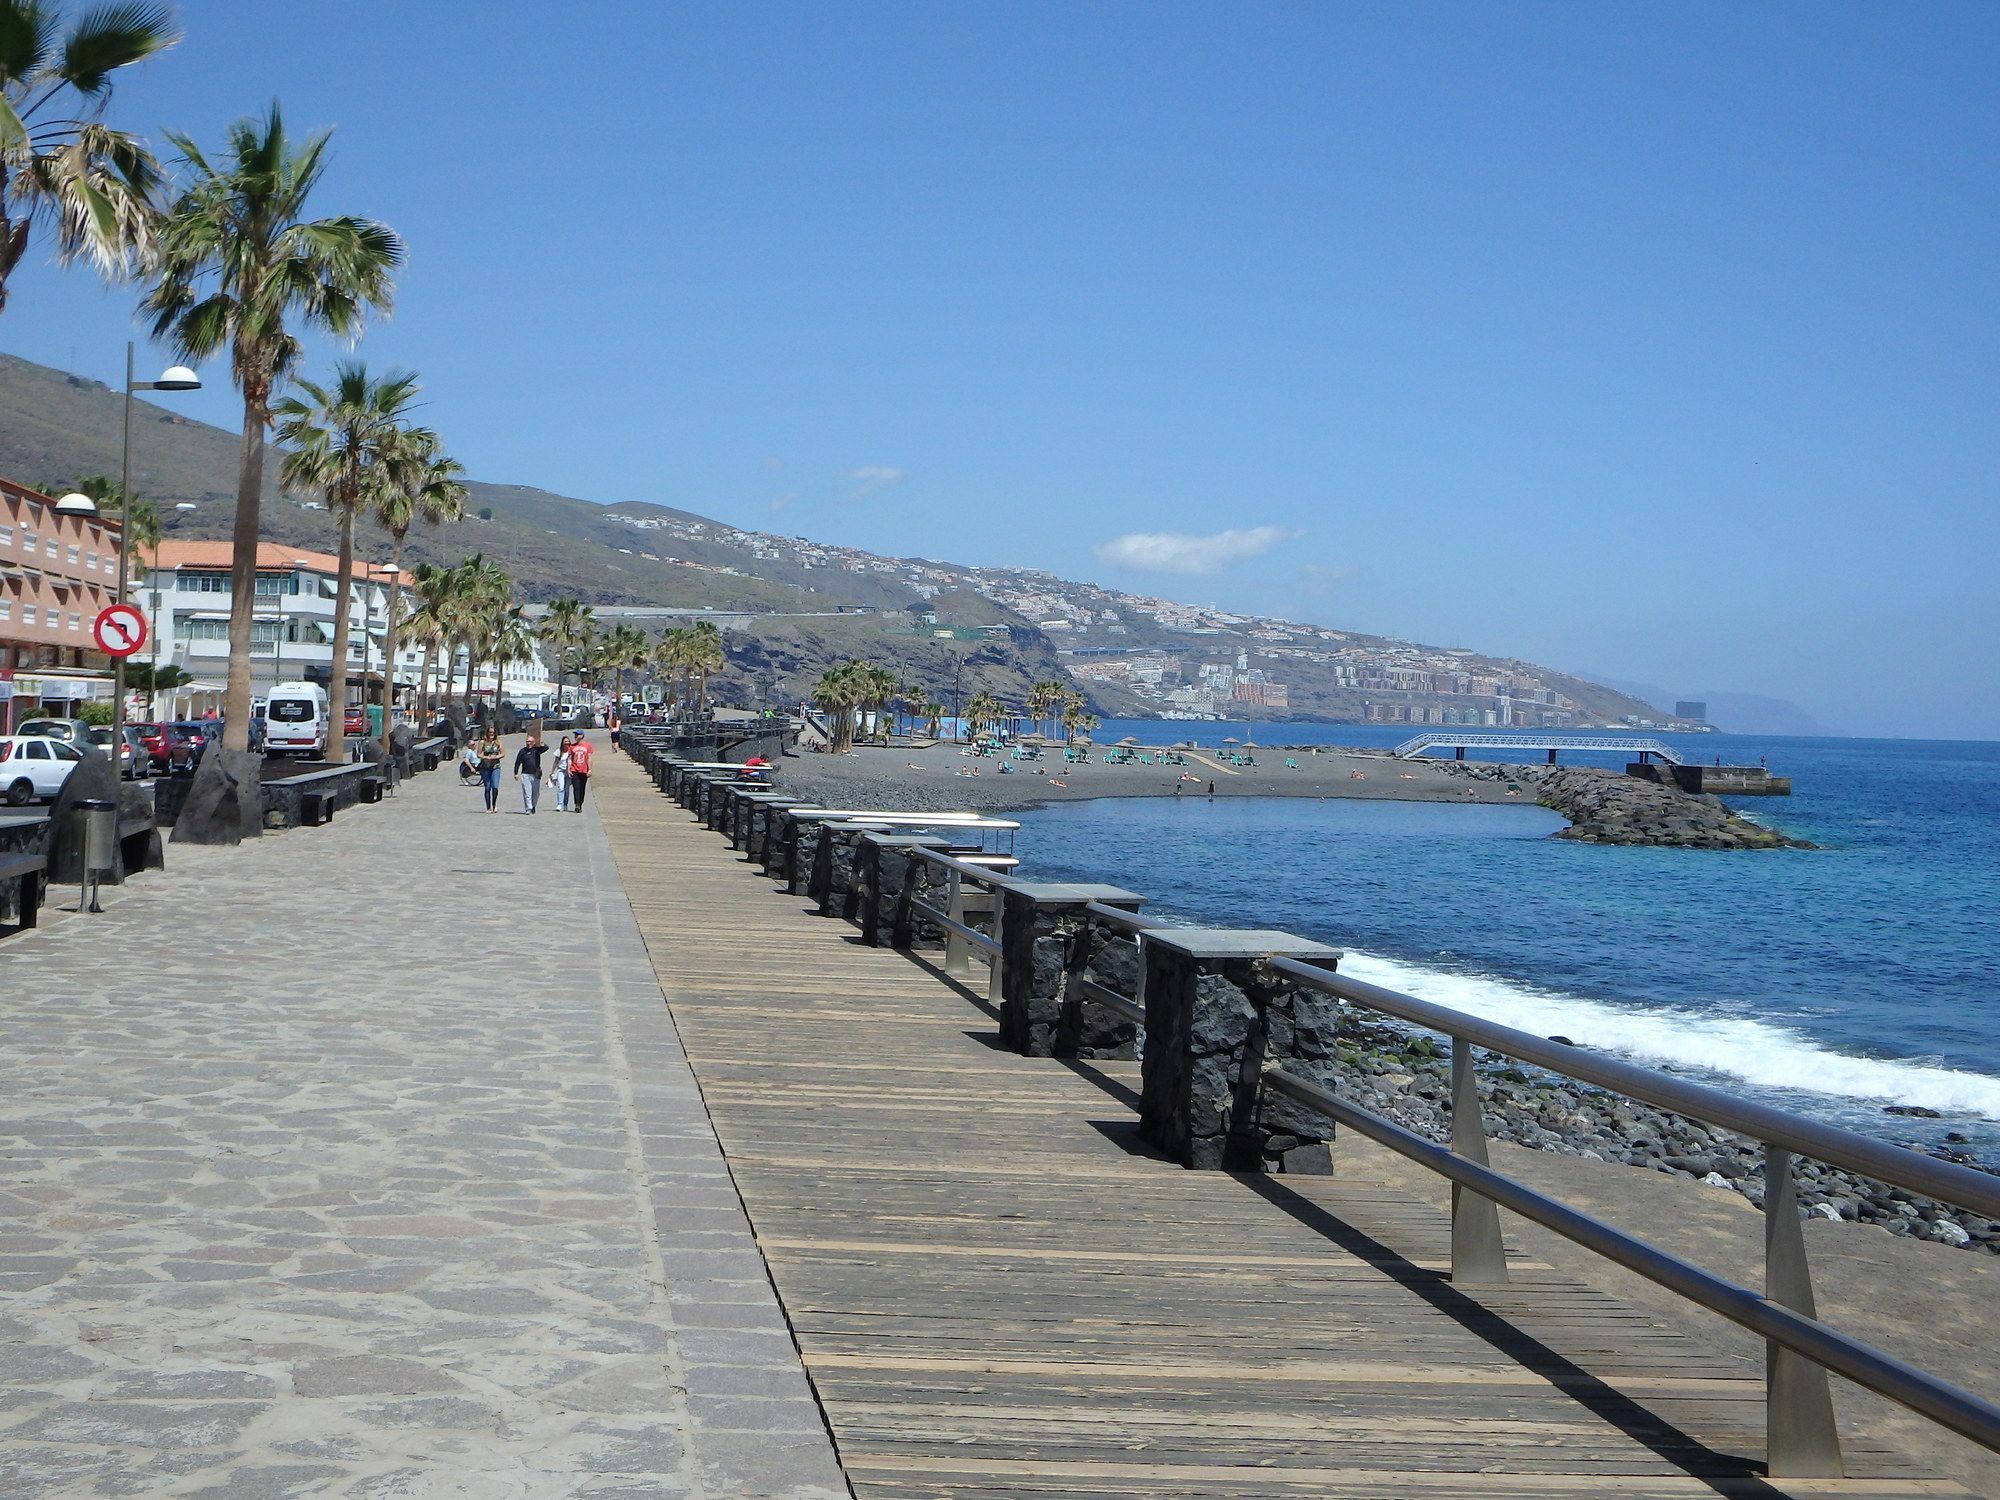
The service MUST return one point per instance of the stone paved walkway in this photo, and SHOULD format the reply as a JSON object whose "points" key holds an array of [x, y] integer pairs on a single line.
{"points": [[364, 1161]]}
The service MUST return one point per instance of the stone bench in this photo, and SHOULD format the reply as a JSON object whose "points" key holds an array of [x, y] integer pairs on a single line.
{"points": [[27, 872]]}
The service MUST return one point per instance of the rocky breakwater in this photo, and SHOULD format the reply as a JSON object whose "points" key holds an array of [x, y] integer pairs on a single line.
{"points": [[1404, 1076], [1607, 807]]}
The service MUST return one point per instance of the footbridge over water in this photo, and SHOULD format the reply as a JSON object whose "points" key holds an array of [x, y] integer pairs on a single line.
{"points": [[1461, 741]]}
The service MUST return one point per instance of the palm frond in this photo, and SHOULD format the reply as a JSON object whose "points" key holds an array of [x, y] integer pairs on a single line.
{"points": [[111, 37]]}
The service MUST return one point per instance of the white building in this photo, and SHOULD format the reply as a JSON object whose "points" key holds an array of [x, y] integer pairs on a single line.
{"points": [[186, 592]]}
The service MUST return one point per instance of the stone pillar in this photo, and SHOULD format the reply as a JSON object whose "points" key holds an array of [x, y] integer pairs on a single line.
{"points": [[881, 872], [1216, 1012], [763, 818], [833, 866], [1043, 936], [909, 928], [1090, 1028]]}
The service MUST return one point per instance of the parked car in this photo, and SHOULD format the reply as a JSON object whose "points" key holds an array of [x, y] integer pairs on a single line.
{"points": [[133, 758], [71, 731], [355, 719], [155, 738], [34, 766], [187, 738]]}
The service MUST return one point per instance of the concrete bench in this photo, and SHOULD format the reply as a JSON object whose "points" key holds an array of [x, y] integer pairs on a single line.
{"points": [[315, 808], [30, 872], [139, 844], [372, 788]]}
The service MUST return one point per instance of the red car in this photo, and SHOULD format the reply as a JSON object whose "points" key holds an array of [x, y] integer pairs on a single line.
{"points": [[156, 740], [355, 720]]}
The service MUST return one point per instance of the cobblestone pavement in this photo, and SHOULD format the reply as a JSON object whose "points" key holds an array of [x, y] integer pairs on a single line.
{"points": [[364, 1161]]}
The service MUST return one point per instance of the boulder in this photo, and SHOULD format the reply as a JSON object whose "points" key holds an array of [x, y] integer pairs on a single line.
{"points": [[93, 778], [225, 805]]}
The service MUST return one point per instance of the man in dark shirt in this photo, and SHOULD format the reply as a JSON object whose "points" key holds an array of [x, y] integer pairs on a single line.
{"points": [[528, 771]]}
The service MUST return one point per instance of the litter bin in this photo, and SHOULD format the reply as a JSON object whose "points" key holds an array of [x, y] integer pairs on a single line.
{"points": [[98, 839]]}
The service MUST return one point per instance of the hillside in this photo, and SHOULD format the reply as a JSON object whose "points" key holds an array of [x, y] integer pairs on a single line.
{"points": [[798, 605]]}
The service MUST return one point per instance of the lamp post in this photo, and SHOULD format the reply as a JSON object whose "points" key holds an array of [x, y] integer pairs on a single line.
{"points": [[175, 378]]}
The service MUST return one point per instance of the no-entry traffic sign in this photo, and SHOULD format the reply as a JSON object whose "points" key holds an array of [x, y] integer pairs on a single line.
{"points": [[120, 629]]}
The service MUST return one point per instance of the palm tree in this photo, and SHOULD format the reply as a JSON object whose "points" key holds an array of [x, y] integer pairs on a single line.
{"points": [[423, 485], [341, 442], [507, 635], [566, 625], [60, 163], [932, 713], [479, 599], [878, 686], [1044, 698], [838, 691], [430, 623], [705, 655], [626, 648], [1074, 719], [671, 653], [982, 712], [237, 262]]}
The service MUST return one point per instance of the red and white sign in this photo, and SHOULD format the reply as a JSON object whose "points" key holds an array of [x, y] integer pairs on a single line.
{"points": [[120, 630]]}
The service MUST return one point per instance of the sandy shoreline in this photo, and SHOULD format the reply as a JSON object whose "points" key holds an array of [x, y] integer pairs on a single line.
{"points": [[941, 776]]}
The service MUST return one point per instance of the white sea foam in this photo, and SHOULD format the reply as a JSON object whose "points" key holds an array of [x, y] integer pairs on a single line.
{"points": [[1756, 1052]]}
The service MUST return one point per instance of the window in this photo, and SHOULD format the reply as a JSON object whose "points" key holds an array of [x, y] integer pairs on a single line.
{"points": [[208, 630], [61, 751], [291, 711], [275, 585], [6, 536], [27, 540], [35, 750], [203, 583], [27, 614], [75, 556], [6, 609], [52, 547], [90, 562], [76, 622]]}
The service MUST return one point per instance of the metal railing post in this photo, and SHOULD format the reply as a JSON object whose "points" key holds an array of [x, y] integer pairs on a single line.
{"points": [[996, 965], [956, 950], [1477, 1254], [1800, 1438]]}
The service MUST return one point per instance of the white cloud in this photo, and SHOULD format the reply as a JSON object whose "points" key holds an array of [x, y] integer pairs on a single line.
{"points": [[869, 478], [1178, 552]]}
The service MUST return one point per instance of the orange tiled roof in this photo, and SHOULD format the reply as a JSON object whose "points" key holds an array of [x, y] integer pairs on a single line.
{"points": [[271, 558]]}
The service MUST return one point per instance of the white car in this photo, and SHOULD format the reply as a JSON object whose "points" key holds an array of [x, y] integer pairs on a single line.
{"points": [[33, 766]]}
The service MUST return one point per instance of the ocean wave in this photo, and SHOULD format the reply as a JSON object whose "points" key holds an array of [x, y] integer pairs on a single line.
{"points": [[1760, 1053]]}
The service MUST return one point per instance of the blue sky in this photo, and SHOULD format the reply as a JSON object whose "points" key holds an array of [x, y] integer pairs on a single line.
{"points": [[1657, 342]]}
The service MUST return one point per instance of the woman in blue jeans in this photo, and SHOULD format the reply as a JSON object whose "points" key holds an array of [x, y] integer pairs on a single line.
{"points": [[490, 756]]}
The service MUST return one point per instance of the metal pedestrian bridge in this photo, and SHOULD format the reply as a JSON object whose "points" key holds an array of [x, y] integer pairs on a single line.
{"points": [[1461, 741]]}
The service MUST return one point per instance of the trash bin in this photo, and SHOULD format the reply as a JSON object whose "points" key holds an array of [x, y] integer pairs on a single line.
{"points": [[98, 839]]}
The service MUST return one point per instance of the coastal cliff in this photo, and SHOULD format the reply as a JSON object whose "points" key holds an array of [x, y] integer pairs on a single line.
{"points": [[1605, 807]]}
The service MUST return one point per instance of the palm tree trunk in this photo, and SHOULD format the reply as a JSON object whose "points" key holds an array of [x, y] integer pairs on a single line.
{"points": [[424, 683], [343, 594], [389, 635], [243, 573]]}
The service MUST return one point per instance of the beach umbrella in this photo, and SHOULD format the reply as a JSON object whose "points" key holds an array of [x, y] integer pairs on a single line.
{"points": [[1230, 739], [1130, 739]]}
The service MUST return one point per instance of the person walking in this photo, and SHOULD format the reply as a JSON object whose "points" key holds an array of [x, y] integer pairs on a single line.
{"points": [[490, 756], [559, 775], [528, 772], [579, 771]]}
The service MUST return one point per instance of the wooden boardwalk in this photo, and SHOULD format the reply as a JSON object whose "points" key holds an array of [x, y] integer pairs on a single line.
{"points": [[999, 1291]]}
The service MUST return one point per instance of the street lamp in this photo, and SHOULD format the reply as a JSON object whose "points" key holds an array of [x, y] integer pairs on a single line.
{"points": [[175, 378]]}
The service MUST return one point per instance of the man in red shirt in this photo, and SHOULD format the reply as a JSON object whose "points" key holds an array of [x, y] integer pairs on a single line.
{"points": [[579, 772]]}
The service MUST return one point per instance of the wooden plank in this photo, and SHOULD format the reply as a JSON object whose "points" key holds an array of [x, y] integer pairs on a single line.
{"points": [[998, 1290]]}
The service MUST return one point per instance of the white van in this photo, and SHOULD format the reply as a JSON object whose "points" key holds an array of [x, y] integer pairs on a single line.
{"points": [[295, 720]]}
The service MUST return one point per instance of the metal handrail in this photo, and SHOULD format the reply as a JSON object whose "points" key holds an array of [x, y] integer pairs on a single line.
{"points": [[1961, 1411], [1131, 921], [1104, 995], [1893, 1165]]}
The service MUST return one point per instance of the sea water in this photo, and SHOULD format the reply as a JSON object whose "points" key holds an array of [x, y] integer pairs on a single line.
{"points": [[1839, 981]]}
